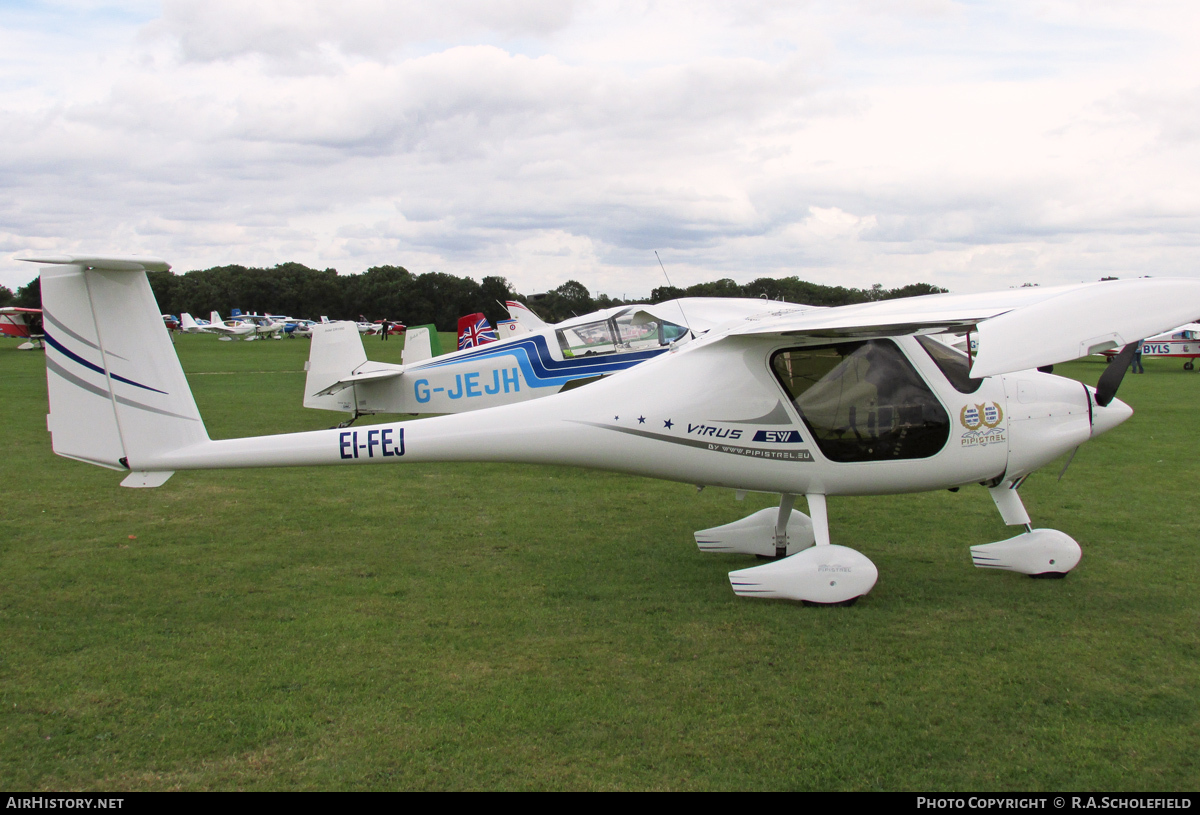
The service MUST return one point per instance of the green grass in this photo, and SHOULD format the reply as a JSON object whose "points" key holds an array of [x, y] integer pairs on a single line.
{"points": [[499, 626]]}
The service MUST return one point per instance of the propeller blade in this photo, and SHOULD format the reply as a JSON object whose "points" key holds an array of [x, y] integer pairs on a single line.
{"points": [[1110, 380], [1070, 458]]}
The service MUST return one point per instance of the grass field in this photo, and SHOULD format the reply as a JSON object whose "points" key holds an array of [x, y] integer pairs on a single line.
{"points": [[495, 626]]}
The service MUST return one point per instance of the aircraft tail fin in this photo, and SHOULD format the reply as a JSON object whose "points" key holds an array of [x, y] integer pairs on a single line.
{"points": [[215, 319], [524, 316], [417, 344], [510, 328], [337, 351], [118, 395], [474, 330], [188, 323]]}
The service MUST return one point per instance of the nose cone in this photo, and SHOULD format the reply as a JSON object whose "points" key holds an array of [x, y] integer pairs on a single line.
{"points": [[1106, 418]]}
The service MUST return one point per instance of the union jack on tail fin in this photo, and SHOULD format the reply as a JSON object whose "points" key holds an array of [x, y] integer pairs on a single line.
{"points": [[474, 330]]}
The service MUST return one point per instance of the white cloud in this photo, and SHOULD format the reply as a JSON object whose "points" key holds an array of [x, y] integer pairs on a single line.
{"points": [[295, 31]]}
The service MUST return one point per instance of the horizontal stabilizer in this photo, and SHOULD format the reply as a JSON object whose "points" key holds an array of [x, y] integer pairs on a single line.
{"points": [[346, 382], [143, 479], [112, 263]]}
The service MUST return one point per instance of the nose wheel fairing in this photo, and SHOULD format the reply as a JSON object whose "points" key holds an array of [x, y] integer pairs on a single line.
{"points": [[1037, 553]]}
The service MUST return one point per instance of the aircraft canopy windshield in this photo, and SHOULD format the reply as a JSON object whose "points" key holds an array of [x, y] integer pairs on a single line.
{"points": [[863, 401], [628, 331]]}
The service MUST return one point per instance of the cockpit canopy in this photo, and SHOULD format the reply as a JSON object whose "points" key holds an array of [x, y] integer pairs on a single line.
{"points": [[629, 330], [863, 401]]}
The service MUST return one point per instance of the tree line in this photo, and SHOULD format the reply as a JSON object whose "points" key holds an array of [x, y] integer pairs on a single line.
{"points": [[394, 292]]}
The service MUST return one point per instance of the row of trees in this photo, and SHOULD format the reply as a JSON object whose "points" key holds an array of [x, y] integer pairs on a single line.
{"points": [[572, 297], [298, 291], [793, 290], [434, 297], [28, 296]]}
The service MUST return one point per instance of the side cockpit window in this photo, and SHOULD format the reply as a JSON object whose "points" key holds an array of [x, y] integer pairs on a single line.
{"points": [[629, 331], [637, 334], [953, 364], [640, 331], [863, 401], [587, 339]]}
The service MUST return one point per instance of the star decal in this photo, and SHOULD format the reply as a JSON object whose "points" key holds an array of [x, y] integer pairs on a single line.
{"points": [[668, 424], [616, 418], [641, 419]]}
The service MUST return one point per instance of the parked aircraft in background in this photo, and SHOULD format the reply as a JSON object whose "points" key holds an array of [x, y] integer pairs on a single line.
{"points": [[1181, 343], [264, 325], [25, 323], [190, 325], [244, 327], [247, 325], [521, 320], [299, 328], [394, 327], [855, 400], [228, 329], [509, 328], [528, 366]]}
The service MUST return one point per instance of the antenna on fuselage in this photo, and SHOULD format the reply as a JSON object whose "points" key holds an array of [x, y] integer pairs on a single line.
{"points": [[672, 285]]}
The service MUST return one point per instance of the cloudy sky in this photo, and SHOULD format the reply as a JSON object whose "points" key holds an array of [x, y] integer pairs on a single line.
{"points": [[968, 144]]}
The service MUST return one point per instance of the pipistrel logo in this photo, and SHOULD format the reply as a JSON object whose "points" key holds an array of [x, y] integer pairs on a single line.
{"points": [[982, 424]]}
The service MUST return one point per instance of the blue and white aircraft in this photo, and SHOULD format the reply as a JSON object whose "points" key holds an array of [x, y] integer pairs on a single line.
{"points": [[542, 360]]}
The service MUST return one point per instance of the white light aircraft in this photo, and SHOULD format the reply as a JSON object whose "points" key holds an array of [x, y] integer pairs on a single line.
{"points": [[24, 323], [265, 326], [1181, 343], [541, 361], [856, 400], [247, 327], [188, 325], [228, 329], [522, 318]]}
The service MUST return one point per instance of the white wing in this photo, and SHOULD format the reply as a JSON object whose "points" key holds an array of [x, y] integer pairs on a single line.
{"points": [[1017, 329], [701, 314]]}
